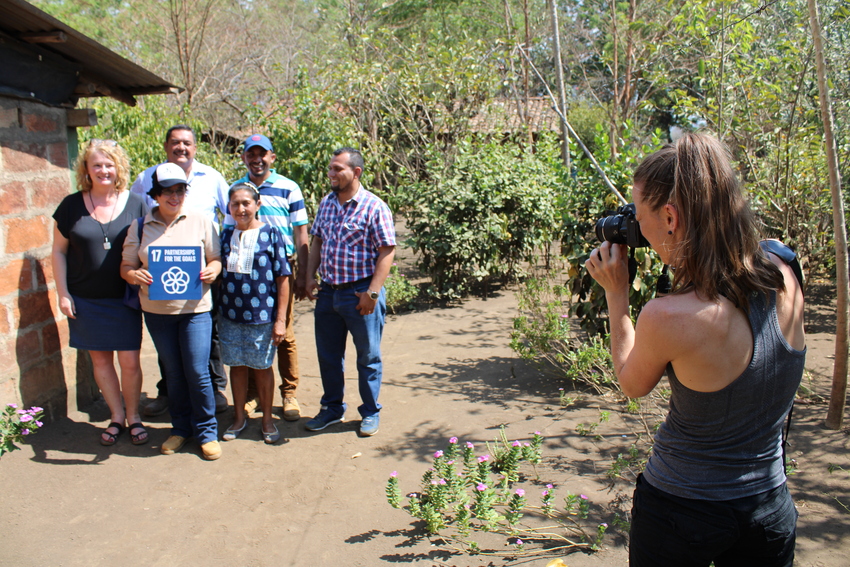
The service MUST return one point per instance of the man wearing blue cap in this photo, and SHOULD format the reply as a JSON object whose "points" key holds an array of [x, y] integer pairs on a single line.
{"points": [[282, 205], [207, 195]]}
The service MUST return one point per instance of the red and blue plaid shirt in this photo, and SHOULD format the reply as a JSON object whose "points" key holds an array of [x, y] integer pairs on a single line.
{"points": [[351, 235]]}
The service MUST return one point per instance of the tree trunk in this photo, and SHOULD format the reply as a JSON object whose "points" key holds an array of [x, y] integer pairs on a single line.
{"points": [[562, 97], [837, 399]]}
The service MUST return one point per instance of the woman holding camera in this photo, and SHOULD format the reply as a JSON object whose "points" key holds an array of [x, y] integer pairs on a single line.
{"points": [[730, 337]]}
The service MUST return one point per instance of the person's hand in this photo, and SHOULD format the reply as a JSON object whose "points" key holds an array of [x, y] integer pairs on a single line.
{"points": [[278, 332], [66, 306], [311, 289], [609, 266], [300, 287], [142, 276], [366, 306], [208, 274]]}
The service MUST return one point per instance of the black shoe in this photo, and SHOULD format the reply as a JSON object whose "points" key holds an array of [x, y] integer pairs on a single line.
{"points": [[220, 402], [157, 407]]}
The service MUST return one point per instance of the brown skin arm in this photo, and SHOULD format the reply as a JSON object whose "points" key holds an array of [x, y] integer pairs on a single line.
{"points": [[382, 270]]}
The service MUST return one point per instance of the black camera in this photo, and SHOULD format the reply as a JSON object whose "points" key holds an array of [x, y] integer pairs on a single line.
{"points": [[621, 228]]}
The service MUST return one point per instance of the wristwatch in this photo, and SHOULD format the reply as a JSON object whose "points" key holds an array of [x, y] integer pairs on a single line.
{"points": [[373, 295]]}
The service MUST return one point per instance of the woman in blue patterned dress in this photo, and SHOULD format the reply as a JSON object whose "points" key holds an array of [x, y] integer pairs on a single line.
{"points": [[254, 292]]}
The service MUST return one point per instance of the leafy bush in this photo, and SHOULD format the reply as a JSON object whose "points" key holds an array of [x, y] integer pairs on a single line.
{"points": [[542, 333], [587, 200], [400, 292], [475, 221]]}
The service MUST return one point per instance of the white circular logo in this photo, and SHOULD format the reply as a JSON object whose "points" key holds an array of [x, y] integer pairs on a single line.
{"points": [[175, 281]]}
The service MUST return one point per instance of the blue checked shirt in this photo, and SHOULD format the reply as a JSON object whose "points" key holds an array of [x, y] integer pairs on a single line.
{"points": [[282, 206], [351, 235]]}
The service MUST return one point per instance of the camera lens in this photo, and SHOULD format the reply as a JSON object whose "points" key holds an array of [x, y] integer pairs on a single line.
{"points": [[611, 229]]}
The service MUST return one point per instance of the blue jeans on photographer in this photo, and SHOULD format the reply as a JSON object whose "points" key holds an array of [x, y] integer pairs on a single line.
{"points": [[336, 315], [183, 345]]}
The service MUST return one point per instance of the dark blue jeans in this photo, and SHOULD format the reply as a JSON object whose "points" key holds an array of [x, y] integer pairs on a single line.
{"points": [[756, 531], [336, 315], [183, 345]]}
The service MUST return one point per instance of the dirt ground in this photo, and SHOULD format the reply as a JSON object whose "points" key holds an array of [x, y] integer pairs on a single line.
{"points": [[317, 499]]}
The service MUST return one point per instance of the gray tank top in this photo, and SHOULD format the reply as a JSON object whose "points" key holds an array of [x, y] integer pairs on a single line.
{"points": [[728, 444]]}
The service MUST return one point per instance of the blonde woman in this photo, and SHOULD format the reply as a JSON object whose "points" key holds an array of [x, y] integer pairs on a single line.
{"points": [[88, 239]]}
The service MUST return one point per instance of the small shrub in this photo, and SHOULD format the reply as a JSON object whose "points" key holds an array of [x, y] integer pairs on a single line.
{"points": [[462, 493], [400, 292]]}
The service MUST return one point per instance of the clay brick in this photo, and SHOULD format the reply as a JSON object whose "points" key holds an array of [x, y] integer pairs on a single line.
{"points": [[9, 392], [64, 332], [58, 154], [9, 118], [4, 320], [49, 192], [34, 308], [27, 347], [40, 123], [16, 276], [25, 234], [43, 272], [43, 385], [13, 198], [50, 341], [23, 157]]}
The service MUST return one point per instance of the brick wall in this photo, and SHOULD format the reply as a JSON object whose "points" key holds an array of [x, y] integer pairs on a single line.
{"points": [[38, 367]]}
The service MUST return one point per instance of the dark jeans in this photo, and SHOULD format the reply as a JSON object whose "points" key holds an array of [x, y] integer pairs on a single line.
{"points": [[336, 316], [756, 531], [182, 342], [216, 368]]}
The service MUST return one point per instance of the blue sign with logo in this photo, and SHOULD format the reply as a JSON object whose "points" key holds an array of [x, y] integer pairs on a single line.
{"points": [[176, 272]]}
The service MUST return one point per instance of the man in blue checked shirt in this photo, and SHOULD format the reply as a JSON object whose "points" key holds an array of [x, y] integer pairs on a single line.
{"points": [[353, 248], [283, 207]]}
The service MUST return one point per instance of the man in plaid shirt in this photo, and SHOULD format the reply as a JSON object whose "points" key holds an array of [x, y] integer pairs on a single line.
{"points": [[353, 249]]}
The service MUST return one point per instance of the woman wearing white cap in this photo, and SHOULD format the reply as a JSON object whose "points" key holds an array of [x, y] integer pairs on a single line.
{"points": [[180, 328], [90, 229]]}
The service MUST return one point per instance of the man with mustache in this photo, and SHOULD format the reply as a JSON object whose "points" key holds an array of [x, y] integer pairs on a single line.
{"points": [[208, 195]]}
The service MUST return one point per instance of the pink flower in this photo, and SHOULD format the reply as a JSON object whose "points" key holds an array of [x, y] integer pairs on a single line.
{"points": [[583, 497], [13, 406], [518, 541], [393, 474], [520, 492], [26, 417], [469, 445], [545, 493], [442, 481], [438, 454], [453, 440], [25, 432], [549, 486], [516, 444], [481, 487], [483, 458]]}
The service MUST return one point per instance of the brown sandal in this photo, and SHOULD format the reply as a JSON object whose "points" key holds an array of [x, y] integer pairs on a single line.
{"points": [[111, 438]]}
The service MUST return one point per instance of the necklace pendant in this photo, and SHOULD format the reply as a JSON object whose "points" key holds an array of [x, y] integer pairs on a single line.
{"points": [[106, 244]]}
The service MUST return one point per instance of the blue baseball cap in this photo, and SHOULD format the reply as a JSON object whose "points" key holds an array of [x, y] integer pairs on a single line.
{"points": [[258, 140]]}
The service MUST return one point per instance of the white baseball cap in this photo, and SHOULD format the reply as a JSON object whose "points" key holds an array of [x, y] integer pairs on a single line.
{"points": [[169, 174]]}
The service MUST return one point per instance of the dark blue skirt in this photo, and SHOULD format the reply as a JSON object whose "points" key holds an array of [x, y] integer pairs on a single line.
{"points": [[105, 324]]}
